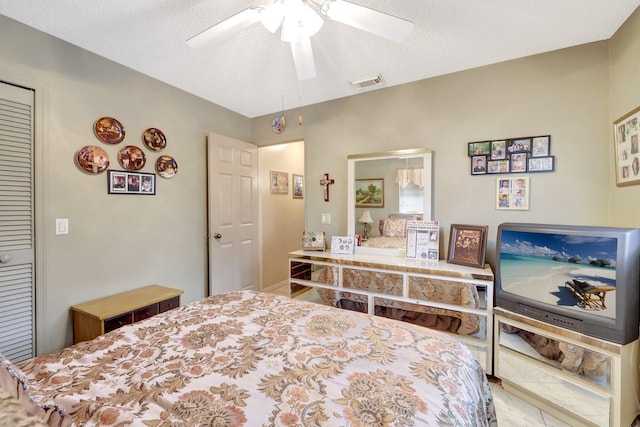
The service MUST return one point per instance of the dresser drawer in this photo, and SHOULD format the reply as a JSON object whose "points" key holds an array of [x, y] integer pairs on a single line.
{"points": [[118, 321], [170, 303], [145, 312]]}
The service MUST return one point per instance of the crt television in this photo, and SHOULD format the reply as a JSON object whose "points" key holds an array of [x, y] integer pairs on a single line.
{"points": [[581, 278]]}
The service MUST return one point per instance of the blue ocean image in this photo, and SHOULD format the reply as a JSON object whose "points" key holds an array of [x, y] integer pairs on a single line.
{"points": [[539, 266], [518, 269]]}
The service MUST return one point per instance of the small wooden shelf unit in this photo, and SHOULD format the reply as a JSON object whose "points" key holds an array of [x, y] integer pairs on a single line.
{"points": [[94, 318]]}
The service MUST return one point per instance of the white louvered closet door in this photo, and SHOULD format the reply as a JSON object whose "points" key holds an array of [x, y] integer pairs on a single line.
{"points": [[17, 293]]}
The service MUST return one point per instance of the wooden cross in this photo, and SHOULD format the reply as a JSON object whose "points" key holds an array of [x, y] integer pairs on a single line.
{"points": [[326, 182]]}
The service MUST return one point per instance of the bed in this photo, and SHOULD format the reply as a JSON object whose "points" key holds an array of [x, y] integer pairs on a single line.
{"points": [[253, 359], [393, 233]]}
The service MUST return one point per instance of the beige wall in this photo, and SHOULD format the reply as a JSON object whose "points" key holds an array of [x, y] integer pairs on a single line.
{"points": [[624, 96], [116, 242], [282, 216], [562, 93]]}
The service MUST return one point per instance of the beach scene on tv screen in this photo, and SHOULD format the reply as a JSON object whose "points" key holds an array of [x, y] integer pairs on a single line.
{"points": [[576, 272]]}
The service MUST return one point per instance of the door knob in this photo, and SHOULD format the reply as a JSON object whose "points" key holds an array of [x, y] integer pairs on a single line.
{"points": [[217, 236], [5, 258]]}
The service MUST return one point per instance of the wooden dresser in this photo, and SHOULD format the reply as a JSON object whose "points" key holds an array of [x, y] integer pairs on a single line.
{"points": [[94, 318]]}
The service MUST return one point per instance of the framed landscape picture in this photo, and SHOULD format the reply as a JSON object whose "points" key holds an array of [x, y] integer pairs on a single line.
{"points": [[370, 193]]}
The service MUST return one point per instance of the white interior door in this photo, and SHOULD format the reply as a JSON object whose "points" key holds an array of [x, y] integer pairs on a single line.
{"points": [[233, 214], [17, 255]]}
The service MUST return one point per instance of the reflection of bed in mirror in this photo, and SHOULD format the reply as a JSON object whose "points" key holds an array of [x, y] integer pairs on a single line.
{"points": [[393, 168], [393, 232]]}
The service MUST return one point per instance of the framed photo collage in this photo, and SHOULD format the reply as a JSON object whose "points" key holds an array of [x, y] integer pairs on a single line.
{"points": [[515, 155]]}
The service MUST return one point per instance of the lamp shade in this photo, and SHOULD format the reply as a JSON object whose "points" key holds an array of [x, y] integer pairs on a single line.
{"points": [[365, 217]]}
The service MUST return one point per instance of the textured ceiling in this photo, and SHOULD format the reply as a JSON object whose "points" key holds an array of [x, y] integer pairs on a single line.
{"points": [[253, 74]]}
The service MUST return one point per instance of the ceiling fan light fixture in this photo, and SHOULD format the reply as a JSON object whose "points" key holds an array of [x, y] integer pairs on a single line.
{"points": [[365, 19], [272, 16], [299, 21]]}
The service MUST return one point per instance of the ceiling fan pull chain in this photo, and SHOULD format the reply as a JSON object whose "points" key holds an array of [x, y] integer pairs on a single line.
{"points": [[300, 114]]}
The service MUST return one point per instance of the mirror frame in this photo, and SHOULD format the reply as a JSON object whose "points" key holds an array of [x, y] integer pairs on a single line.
{"points": [[353, 159]]}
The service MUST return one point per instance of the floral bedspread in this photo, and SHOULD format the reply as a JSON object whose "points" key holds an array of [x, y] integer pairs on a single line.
{"points": [[251, 359]]}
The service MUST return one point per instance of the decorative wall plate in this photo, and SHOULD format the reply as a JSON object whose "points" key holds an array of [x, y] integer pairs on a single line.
{"points": [[278, 124], [109, 130], [154, 139], [166, 166], [131, 158], [93, 159]]}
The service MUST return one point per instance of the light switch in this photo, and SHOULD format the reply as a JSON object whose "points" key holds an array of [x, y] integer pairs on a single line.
{"points": [[325, 218], [62, 226]]}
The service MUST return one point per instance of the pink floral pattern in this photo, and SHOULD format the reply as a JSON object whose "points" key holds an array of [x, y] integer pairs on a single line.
{"points": [[252, 359], [395, 227]]}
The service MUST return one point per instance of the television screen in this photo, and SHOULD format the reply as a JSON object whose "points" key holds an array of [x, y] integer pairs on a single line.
{"points": [[545, 267], [578, 277]]}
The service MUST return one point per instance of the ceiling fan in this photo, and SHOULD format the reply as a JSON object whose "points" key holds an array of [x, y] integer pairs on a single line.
{"points": [[299, 21]]}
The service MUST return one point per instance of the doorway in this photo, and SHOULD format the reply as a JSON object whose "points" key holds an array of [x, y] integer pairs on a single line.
{"points": [[282, 214]]}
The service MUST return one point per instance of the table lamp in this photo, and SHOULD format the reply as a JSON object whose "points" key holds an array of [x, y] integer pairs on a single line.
{"points": [[366, 219]]}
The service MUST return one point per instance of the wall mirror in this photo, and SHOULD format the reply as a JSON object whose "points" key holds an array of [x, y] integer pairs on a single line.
{"points": [[384, 185]]}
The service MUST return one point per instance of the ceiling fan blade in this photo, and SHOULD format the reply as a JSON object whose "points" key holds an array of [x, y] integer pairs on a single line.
{"points": [[303, 58], [225, 29], [370, 20]]}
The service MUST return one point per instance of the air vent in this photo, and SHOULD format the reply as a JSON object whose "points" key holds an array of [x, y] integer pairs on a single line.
{"points": [[371, 81]]}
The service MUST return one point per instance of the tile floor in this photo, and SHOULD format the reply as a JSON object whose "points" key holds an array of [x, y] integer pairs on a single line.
{"points": [[514, 412], [511, 411]]}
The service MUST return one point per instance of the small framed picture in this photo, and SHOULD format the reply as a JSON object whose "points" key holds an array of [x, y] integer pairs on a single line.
{"points": [[512, 193], [541, 146], [479, 148], [541, 164], [518, 163], [298, 186], [498, 166], [126, 182], [279, 182], [626, 132], [498, 150], [478, 165], [520, 145], [468, 245]]}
